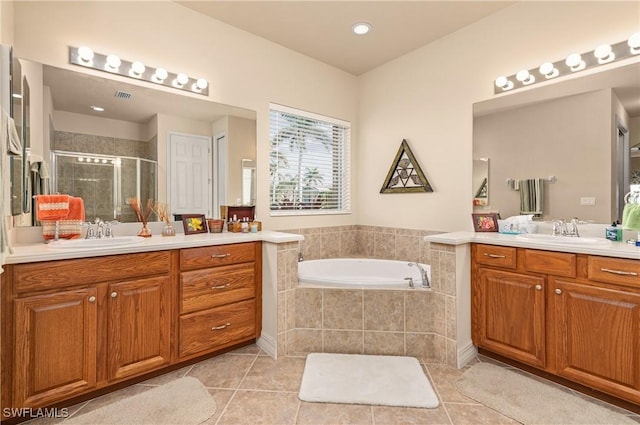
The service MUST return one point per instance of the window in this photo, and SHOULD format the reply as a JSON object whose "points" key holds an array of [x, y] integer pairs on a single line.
{"points": [[308, 163]]}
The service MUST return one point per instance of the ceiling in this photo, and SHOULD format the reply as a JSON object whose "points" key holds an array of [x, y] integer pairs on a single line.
{"points": [[322, 29]]}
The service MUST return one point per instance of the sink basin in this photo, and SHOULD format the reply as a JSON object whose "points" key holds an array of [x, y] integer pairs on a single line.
{"points": [[563, 240], [95, 243]]}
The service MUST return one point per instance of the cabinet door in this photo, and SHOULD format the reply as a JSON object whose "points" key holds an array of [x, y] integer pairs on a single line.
{"points": [[511, 313], [55, 351], [139, 326], [598, 337]]}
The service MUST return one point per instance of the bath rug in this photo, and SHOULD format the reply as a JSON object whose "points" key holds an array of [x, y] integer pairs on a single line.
{"points": [[184, 401], [363, 379], [532, 402]]}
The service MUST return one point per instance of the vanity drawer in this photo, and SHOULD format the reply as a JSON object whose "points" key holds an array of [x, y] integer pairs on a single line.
{"points": [[206, 288], [614, 270], [553, 263], [210, 329], [492, 255], [85, 271], [217, 255]]}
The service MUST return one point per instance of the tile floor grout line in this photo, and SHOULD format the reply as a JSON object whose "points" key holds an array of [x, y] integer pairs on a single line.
{"points": [[437, 391], [295, 418], [224, 410]]}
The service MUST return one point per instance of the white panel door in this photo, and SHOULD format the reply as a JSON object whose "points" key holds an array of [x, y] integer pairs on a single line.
{"points": [[189, 174]]}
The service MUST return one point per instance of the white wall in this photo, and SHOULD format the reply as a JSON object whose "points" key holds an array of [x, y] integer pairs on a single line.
{"points": [[6, 22], [88, 124], [243, 70], [427, 95], [242, 144]]}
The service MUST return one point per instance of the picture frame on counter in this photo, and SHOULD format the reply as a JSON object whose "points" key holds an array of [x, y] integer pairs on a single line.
{"points": [[485, 222], [194, 224]]}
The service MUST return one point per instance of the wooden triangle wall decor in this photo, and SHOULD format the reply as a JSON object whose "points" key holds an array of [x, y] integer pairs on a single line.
{"points": [[405, 174]]}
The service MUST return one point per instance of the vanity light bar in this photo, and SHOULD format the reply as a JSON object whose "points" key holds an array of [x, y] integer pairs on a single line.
{"points": [[84, 56], [575, 62]]}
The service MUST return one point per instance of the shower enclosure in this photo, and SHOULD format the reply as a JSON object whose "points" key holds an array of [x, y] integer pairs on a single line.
{"points": [[104, 182]]}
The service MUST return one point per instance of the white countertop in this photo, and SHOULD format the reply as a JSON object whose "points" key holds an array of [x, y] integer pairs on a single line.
{"points": [[33, 252], [612, 249]]}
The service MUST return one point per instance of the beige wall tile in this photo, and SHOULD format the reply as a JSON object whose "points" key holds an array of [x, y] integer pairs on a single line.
{"points": [[282, 312], [305, 341], [290, 297], [384, 310], [451, 352], [311, 246], [348, 244], [330, 242], [347, 342], [282, 344], [292, 269], [429, 347], [282, 270], [451, 318], [407, 248], [384, 245], [384, 343], [308, 308], [365, 243], [409, 232], [436, 271], [381, 229], [425, 312], [342, 309]]}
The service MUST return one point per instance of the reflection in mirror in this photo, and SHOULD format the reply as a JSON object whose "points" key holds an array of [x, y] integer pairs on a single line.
{"points": [[481, 181], [248, 182], [132, 126], [16, 162], [568, 130]]}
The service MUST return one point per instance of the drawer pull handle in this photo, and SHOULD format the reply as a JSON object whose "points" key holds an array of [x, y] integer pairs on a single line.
{"points": [[226, 285], [620, 272], [494, 255], [538, 287], [114, 294], [217, 328], [220, 255], [558, 291], [92, 299]]}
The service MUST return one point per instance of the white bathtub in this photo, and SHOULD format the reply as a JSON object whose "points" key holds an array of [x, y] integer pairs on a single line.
{"points": [[359, 273]]}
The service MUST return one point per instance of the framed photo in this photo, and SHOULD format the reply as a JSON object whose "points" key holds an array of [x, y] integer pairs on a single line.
{"points": [[485, 222], [194, 223]]}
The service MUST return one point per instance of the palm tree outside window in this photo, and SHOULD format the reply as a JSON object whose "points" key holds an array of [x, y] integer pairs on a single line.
{"points": [[309, 163]]}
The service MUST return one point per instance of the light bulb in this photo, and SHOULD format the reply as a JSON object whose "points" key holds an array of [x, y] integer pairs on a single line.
{"points": [[574, 62], [85, 53], [634, 43], [161, 74], [524, 77], [182, 79], [548, 70], [138, 68], [503, 83], [201, 83], [604, 53], [113, 62]]}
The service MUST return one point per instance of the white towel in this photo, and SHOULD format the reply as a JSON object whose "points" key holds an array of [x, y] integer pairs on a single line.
{"points": [[10, 137]]}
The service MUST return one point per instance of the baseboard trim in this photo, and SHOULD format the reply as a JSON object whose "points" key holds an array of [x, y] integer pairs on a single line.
{"points": [[268, 344], [466, 354]]}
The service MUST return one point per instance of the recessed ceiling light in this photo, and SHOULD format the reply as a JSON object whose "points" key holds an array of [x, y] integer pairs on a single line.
{"points": [[97, 108], [361, 28]]}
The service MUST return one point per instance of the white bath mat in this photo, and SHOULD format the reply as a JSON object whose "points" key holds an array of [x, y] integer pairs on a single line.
{"points": [[361, 379]]}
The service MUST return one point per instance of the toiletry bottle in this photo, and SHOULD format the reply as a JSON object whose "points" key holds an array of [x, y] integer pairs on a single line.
{"points": [[613, 232]]}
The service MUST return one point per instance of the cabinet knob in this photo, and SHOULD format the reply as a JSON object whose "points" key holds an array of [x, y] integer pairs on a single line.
{"points": [[558, 291], [92, 299], [538, 287], [114, 294]]}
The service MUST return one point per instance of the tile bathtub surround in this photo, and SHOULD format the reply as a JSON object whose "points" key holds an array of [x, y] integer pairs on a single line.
{"points": [[402, 322]]}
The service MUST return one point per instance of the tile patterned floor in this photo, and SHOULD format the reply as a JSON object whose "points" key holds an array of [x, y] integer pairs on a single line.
{"points": [[251, 388]]}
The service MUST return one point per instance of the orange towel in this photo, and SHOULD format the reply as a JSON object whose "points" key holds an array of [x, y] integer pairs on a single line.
{"points": [[52, 207], [70, 226]]}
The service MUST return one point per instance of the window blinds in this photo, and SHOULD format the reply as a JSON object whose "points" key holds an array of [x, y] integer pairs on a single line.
{"points": [[308, 163]]}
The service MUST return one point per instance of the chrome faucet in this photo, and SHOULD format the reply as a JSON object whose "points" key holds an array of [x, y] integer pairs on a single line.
{"points": [[560, 228], [101, 230], [300, 256], [423, 275]]}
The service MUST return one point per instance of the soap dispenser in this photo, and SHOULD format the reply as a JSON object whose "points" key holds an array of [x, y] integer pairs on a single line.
{"points": [[613, 232]]}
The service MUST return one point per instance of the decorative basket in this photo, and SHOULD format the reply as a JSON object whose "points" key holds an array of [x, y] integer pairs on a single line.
{"points": [[215, 225]]}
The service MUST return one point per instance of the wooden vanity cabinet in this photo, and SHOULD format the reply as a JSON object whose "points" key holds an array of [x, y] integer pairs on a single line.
{"points": [[576, 316], [85, 324], [220, 297]]}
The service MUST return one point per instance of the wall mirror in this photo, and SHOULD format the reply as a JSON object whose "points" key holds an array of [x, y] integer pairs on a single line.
{"points": [[106, 156], [581, 131]]}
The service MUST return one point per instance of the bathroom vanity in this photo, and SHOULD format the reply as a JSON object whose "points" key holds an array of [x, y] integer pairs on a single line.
{"points": [[573, 315], [75, 322]]}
